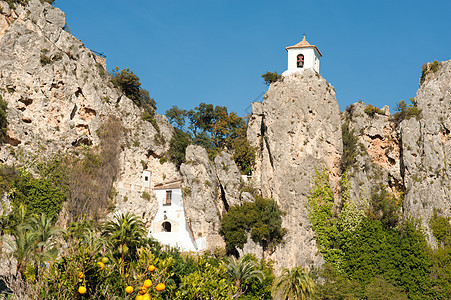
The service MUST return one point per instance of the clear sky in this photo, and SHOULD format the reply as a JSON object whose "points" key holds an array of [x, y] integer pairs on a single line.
{"points": [[215, 51]]}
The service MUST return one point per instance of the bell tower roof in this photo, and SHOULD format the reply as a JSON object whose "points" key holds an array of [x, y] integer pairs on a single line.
{"points": [[304, 44]]}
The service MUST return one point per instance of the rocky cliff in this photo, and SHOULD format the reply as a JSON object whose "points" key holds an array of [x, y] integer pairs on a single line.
{"points": [[426, 148], [408, 157], [59, 95], [297, 128]]}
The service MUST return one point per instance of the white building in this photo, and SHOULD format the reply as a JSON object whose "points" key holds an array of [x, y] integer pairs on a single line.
{"points": [[169, 226], [302, 56]]}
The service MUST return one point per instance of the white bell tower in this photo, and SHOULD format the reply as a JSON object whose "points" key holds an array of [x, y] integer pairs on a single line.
{"points": [[302, 56]]}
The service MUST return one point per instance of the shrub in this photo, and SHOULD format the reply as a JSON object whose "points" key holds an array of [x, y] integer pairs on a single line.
{"points": [[45, 60], [427, 68], [441, 229], [261, 218], [3, 118], [384, 207], [350, 150], [405, 112], [38, 195], [131, 86], [270, 77], [371, 110]]}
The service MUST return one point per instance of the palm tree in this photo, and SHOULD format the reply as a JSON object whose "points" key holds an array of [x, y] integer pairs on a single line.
{"points": [[294, 284], [23, 245], [125, 233], [241, 270], [43, 232]]}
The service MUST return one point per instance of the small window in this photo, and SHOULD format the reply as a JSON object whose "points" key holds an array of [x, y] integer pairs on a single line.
{"points": [[300, 60], [166, 226], [168, 198], [146, 178]]}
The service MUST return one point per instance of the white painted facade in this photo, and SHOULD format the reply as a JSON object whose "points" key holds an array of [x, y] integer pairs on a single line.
{"points": [[169, 226], [311, 57]]}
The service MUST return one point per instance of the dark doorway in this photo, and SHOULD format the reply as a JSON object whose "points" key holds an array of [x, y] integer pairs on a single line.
{"points": [[166, 226]]}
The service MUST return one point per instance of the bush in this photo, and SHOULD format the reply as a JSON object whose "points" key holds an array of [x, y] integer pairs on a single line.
{"points": [[441, 229], [177, 147], [38, 195], [261, 218], [350, 150], [270, 77], [131, 86], [371, 110], [427, 68], [405, 112], [3, 118]]}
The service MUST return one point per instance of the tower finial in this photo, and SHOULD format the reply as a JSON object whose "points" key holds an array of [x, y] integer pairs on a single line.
{"points": [[304, 37]]}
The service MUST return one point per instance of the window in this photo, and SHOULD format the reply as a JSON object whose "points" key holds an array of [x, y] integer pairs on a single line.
{"points": [[300, 60], [146, 178], [166, 226], [168, 198]]}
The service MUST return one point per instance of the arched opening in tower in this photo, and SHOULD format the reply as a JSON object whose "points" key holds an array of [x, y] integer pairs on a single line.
{"points": [[300, 60], [166, 226]]}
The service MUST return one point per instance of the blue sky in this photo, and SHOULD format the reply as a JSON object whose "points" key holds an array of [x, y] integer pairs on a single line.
{"points": [[215, 51]]}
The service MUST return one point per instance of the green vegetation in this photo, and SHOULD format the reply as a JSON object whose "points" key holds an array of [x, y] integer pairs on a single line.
{"points": [[130, 85], [177, 147], [371, 110], [270, 77], [295, 284], [350, 146], [40, 196], [213, 128], [405, 112], [441, 229], [3, 118], [261, 218], [103, 259], [427, 68], [371, 252]]}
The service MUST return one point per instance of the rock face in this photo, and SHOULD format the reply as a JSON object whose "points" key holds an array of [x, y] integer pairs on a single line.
{"points": [[298, 130], [58, 97], [209, 190], [410, 159], [377, 161], [426, 149]]}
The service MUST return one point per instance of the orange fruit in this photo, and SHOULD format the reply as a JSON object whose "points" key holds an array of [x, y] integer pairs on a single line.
{"points": [[81, 275], [142, 290], [160, 287], [146, 297], [129, 289], [147, 283], [105, 260], [151, 268], [82, 290], [101, 265], [139, 297]]}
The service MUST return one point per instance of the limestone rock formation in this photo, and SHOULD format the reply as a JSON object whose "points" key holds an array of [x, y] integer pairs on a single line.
{"points": [[426, 149], [229, 179], [59, 96], [209, 190], [298, 130], [377, 161], [202, 209]]}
